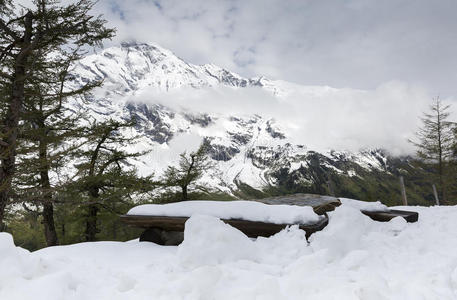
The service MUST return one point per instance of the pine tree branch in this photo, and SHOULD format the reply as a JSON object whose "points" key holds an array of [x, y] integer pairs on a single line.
{"points": [[9, 31]]}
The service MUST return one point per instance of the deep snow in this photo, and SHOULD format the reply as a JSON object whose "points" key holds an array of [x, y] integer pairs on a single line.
{"points": [[352, 258]]}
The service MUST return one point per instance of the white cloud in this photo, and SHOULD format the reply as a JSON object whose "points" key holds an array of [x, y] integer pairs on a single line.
{"points": [[355, 43], [318, 117], [359, 44]]}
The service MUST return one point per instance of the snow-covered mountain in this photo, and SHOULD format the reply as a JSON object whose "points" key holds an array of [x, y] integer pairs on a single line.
{"points": [[250, 151], [132, 67]]}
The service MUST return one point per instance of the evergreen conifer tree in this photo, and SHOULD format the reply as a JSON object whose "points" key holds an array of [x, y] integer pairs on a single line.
{"points": [[434, 144], [49, 36], [104, 176], [190, 168]]}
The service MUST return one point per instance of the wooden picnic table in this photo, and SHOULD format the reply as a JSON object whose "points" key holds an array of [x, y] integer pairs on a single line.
{"points": [[169, 229], [153, 226]]}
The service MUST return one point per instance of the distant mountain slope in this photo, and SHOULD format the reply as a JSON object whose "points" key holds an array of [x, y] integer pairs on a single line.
{"points": [[253, 154]]}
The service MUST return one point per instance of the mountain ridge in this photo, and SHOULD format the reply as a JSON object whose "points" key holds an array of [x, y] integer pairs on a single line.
{"points": [[253, 154]]}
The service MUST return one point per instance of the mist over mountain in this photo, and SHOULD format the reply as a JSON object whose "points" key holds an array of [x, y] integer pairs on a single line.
{"points": [[266, 136]]}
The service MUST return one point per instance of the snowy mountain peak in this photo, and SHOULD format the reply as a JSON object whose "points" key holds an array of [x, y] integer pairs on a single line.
{"points": [[134, 66]]}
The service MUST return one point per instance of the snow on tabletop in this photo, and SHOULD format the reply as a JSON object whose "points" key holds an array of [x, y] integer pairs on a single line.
{"points": [[245, 210], [363, 205]]}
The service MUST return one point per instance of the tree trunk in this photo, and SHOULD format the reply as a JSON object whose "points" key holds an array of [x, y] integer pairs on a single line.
{"points": [[185, 197], [437, 200], [11, 121], [63, 232], [49, 227], [441, 175], [46, 196], [403, 191], [91, 223], [3, 202], [114, 230]]}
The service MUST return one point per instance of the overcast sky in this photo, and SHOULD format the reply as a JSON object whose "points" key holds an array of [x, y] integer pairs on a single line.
{"points": [[346, 43], [388, 59]]}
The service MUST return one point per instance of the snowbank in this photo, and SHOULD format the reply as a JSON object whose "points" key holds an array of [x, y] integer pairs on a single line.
{"points": [[209, 241], [245, 210], [352, 258]]}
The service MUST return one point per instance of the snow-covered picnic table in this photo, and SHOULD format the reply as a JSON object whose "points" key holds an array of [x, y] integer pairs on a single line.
{"points": [[164, 223]]}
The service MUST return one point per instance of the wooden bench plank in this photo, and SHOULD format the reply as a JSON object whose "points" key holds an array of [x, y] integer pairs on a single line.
{"points": [[250, 228], [320, 204], [385, 216]]}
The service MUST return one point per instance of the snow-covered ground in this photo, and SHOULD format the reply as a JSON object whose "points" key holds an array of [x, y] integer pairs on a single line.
{"points": [[352, 258]]}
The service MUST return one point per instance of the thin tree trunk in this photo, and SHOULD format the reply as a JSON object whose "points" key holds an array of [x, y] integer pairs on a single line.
{"points": [[441, 175], [3, 201], [442, 184], [403, 191], [437, 200], [184, 193], [330, 186], [440, 153], [114, 230], [63, 231], [91, 223], [46, 200], [49, 226], [94, 193]]}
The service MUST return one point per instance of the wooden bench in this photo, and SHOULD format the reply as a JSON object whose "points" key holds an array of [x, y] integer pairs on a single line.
{"points": [[168, 230], [323, 204], [386, 216]]}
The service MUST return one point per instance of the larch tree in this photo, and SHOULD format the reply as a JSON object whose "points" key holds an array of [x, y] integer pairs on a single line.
{"points": [[105, 175], [191, 167], [434, 143], [33, 41], [47, 140]]}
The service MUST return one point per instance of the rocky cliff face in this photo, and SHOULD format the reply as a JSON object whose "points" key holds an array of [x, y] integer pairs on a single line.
{"points": [[251, 152]]}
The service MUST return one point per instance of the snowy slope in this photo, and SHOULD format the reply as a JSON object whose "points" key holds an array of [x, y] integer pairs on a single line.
{"points": [[372, 260], [247, 149], [132, 67]]}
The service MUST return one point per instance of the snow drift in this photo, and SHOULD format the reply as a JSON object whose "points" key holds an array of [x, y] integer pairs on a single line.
{"points": [[352, 258]]}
